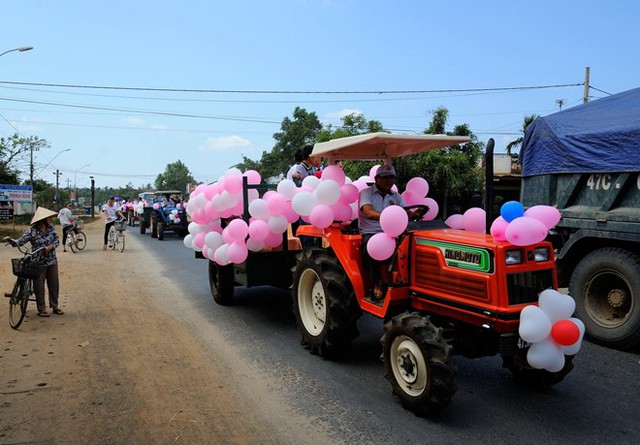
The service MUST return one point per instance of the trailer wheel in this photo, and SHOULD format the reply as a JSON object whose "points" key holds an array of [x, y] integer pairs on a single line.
{"points": [[324, 303], [606, 287], [221, 283], [160, 230], [525, 375], [418, 362]]}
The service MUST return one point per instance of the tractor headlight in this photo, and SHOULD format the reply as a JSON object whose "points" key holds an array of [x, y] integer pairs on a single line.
{"points": [[513, 257], [541, 253]]}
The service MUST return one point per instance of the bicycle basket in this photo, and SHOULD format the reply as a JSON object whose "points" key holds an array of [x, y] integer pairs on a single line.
{"points": [[78, 225], [119, 226], [25, 269]]}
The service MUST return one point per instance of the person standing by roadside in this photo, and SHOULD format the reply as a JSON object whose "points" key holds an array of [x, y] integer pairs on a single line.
{"points": [[65, 215], [43, 234], [110, 211]]}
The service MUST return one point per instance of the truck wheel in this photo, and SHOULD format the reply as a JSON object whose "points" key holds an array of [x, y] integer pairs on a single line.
{"points": [[160, 230], [606, 287], [324, 303], [417, 361], [525, 375], [221, 283]]}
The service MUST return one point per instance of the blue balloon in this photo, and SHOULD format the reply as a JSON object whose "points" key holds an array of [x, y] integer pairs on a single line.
{"points": [[511, 210]]}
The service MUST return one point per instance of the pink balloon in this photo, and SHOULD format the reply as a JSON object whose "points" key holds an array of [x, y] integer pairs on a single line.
{"points": [[198, 240], [454, 221], [341, 211], [360, 185], [238, 209], [321, 216], [273, 239], [268, 193], [334, 173], [228, 239], [393, 220], [410, 198], [199, 217], [253, 177], [525, 231], [237, 252], [156, 206], [220, 255], [418, 186], [349, 193], [238, 230], [210, 191], [474, 220], [233, 184], [210, 212], [433, 208], [276, 203], [290, 214], [258, 230], [547, 215], [381, 246], [498, 229], [373, 170]]}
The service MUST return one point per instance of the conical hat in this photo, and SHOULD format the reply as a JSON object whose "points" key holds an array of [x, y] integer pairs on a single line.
{"points": [[42, 213]]}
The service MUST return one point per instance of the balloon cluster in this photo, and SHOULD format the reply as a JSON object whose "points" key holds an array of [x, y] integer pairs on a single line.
{"points": [[416, 194], [551, 331], [519, 227], [174, 216], [523, 228], [393, 221]]}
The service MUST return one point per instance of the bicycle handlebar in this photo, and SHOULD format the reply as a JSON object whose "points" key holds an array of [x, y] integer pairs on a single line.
{"points": [[24, 250]]}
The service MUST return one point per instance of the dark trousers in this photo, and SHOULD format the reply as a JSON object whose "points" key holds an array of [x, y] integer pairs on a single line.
{"points": [[107, 226], [65, 233], [371, 265], [50, 274]]}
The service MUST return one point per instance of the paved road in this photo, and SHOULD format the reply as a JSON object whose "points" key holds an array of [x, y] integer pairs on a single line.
{"points": [[597, 403]]}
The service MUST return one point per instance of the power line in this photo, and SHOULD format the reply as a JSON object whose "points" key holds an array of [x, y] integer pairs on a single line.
{"points": [[594, 88], [196, 90]]}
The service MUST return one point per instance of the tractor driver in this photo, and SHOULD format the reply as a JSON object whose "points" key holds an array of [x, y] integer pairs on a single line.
{"points": [[373, 200]]}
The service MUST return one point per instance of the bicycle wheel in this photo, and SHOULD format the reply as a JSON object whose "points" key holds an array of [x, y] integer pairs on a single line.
{"points": [[18, 303], [113, 239], [121, 241], [70, 244], [81, 240]]}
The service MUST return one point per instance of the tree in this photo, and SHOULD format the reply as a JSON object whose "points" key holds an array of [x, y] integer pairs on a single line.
{"points": [[15, 150], [528, 120], [294, 133], [175, 177]]}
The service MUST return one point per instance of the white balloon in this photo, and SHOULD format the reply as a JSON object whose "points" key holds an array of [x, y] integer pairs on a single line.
{"points": [[535, 325], [258, 209], [200, 201], [213, 240], [230, 199], [287, 188], [254, 245], [546, 355], [195, 228], [327, 192], [188, 241], [574, 348], [210, 253], [556, 305], [252, 194], [303, 202], [277, 223], [217, 202], [222, 255], [311, 182]]}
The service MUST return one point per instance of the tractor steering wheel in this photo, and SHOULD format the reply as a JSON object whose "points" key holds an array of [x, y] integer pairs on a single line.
{"points": [[419, 210]]}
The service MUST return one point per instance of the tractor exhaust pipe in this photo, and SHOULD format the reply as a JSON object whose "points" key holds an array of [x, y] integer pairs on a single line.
{"points": [[488, 180]]}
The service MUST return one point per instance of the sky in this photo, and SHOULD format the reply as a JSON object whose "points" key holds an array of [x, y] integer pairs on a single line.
{"points": [[394, 61]]}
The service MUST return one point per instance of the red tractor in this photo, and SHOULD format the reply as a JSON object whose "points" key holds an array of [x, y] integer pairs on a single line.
{"points": [[450, 291]]}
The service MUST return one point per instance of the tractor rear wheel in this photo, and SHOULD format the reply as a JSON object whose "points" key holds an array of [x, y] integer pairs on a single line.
{"points": [[418, 363], [154, 227], [221, 283], [143, 226], [324, 303], [160, 230]]}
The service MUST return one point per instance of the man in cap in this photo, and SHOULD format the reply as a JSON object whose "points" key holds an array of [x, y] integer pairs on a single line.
{"points": [[373, 200]]}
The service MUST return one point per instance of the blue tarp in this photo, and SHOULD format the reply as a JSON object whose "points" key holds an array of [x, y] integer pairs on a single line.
{"points": [[602, 136]]}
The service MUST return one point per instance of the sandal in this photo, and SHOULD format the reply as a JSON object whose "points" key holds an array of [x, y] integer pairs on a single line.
{"points": [[58, 311], [43, 314]]}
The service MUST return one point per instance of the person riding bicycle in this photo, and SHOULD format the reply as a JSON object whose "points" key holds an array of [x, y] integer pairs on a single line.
{"points": [[66, 217], [43, 234], [110, 212]]}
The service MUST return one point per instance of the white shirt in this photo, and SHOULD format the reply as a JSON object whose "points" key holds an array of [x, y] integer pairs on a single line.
{"points": [[111, 212], [66, 217]]}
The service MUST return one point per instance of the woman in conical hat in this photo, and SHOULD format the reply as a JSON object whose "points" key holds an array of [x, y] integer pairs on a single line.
{"points": [[43, 234]]}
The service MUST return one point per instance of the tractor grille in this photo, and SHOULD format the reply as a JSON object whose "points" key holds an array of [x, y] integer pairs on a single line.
{"points": [[525, 287], [430, 276]]}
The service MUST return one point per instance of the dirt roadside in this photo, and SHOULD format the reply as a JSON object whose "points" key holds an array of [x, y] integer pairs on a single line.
{"points": [[104, 372]]}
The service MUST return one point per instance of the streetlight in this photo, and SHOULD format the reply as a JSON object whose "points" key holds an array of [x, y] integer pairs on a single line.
{"points": [[75, 174], [21, 49], [49, 163]]}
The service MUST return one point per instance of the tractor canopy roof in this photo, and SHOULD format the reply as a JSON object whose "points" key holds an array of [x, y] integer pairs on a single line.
{"points": [[167, 192], [376, 146]]}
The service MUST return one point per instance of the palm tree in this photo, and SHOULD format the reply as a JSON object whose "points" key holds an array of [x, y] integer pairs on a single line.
{"points": [[527, 121]]}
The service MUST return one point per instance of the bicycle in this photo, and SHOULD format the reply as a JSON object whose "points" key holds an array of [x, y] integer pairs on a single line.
{"points": [[76, 239], [26, 269], [116, 235]]}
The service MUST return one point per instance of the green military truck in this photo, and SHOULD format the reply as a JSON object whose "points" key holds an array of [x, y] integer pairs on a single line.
{"points": [[586, 162]]}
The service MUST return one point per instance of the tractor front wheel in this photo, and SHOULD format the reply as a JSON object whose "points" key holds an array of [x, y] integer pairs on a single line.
{"points": [[418, 363], [324, 303], [525, 375]]}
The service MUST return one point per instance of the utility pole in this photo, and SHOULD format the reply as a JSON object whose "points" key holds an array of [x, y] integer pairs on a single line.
{"points": [[585, 96], [56, 197], [93, 196]]}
